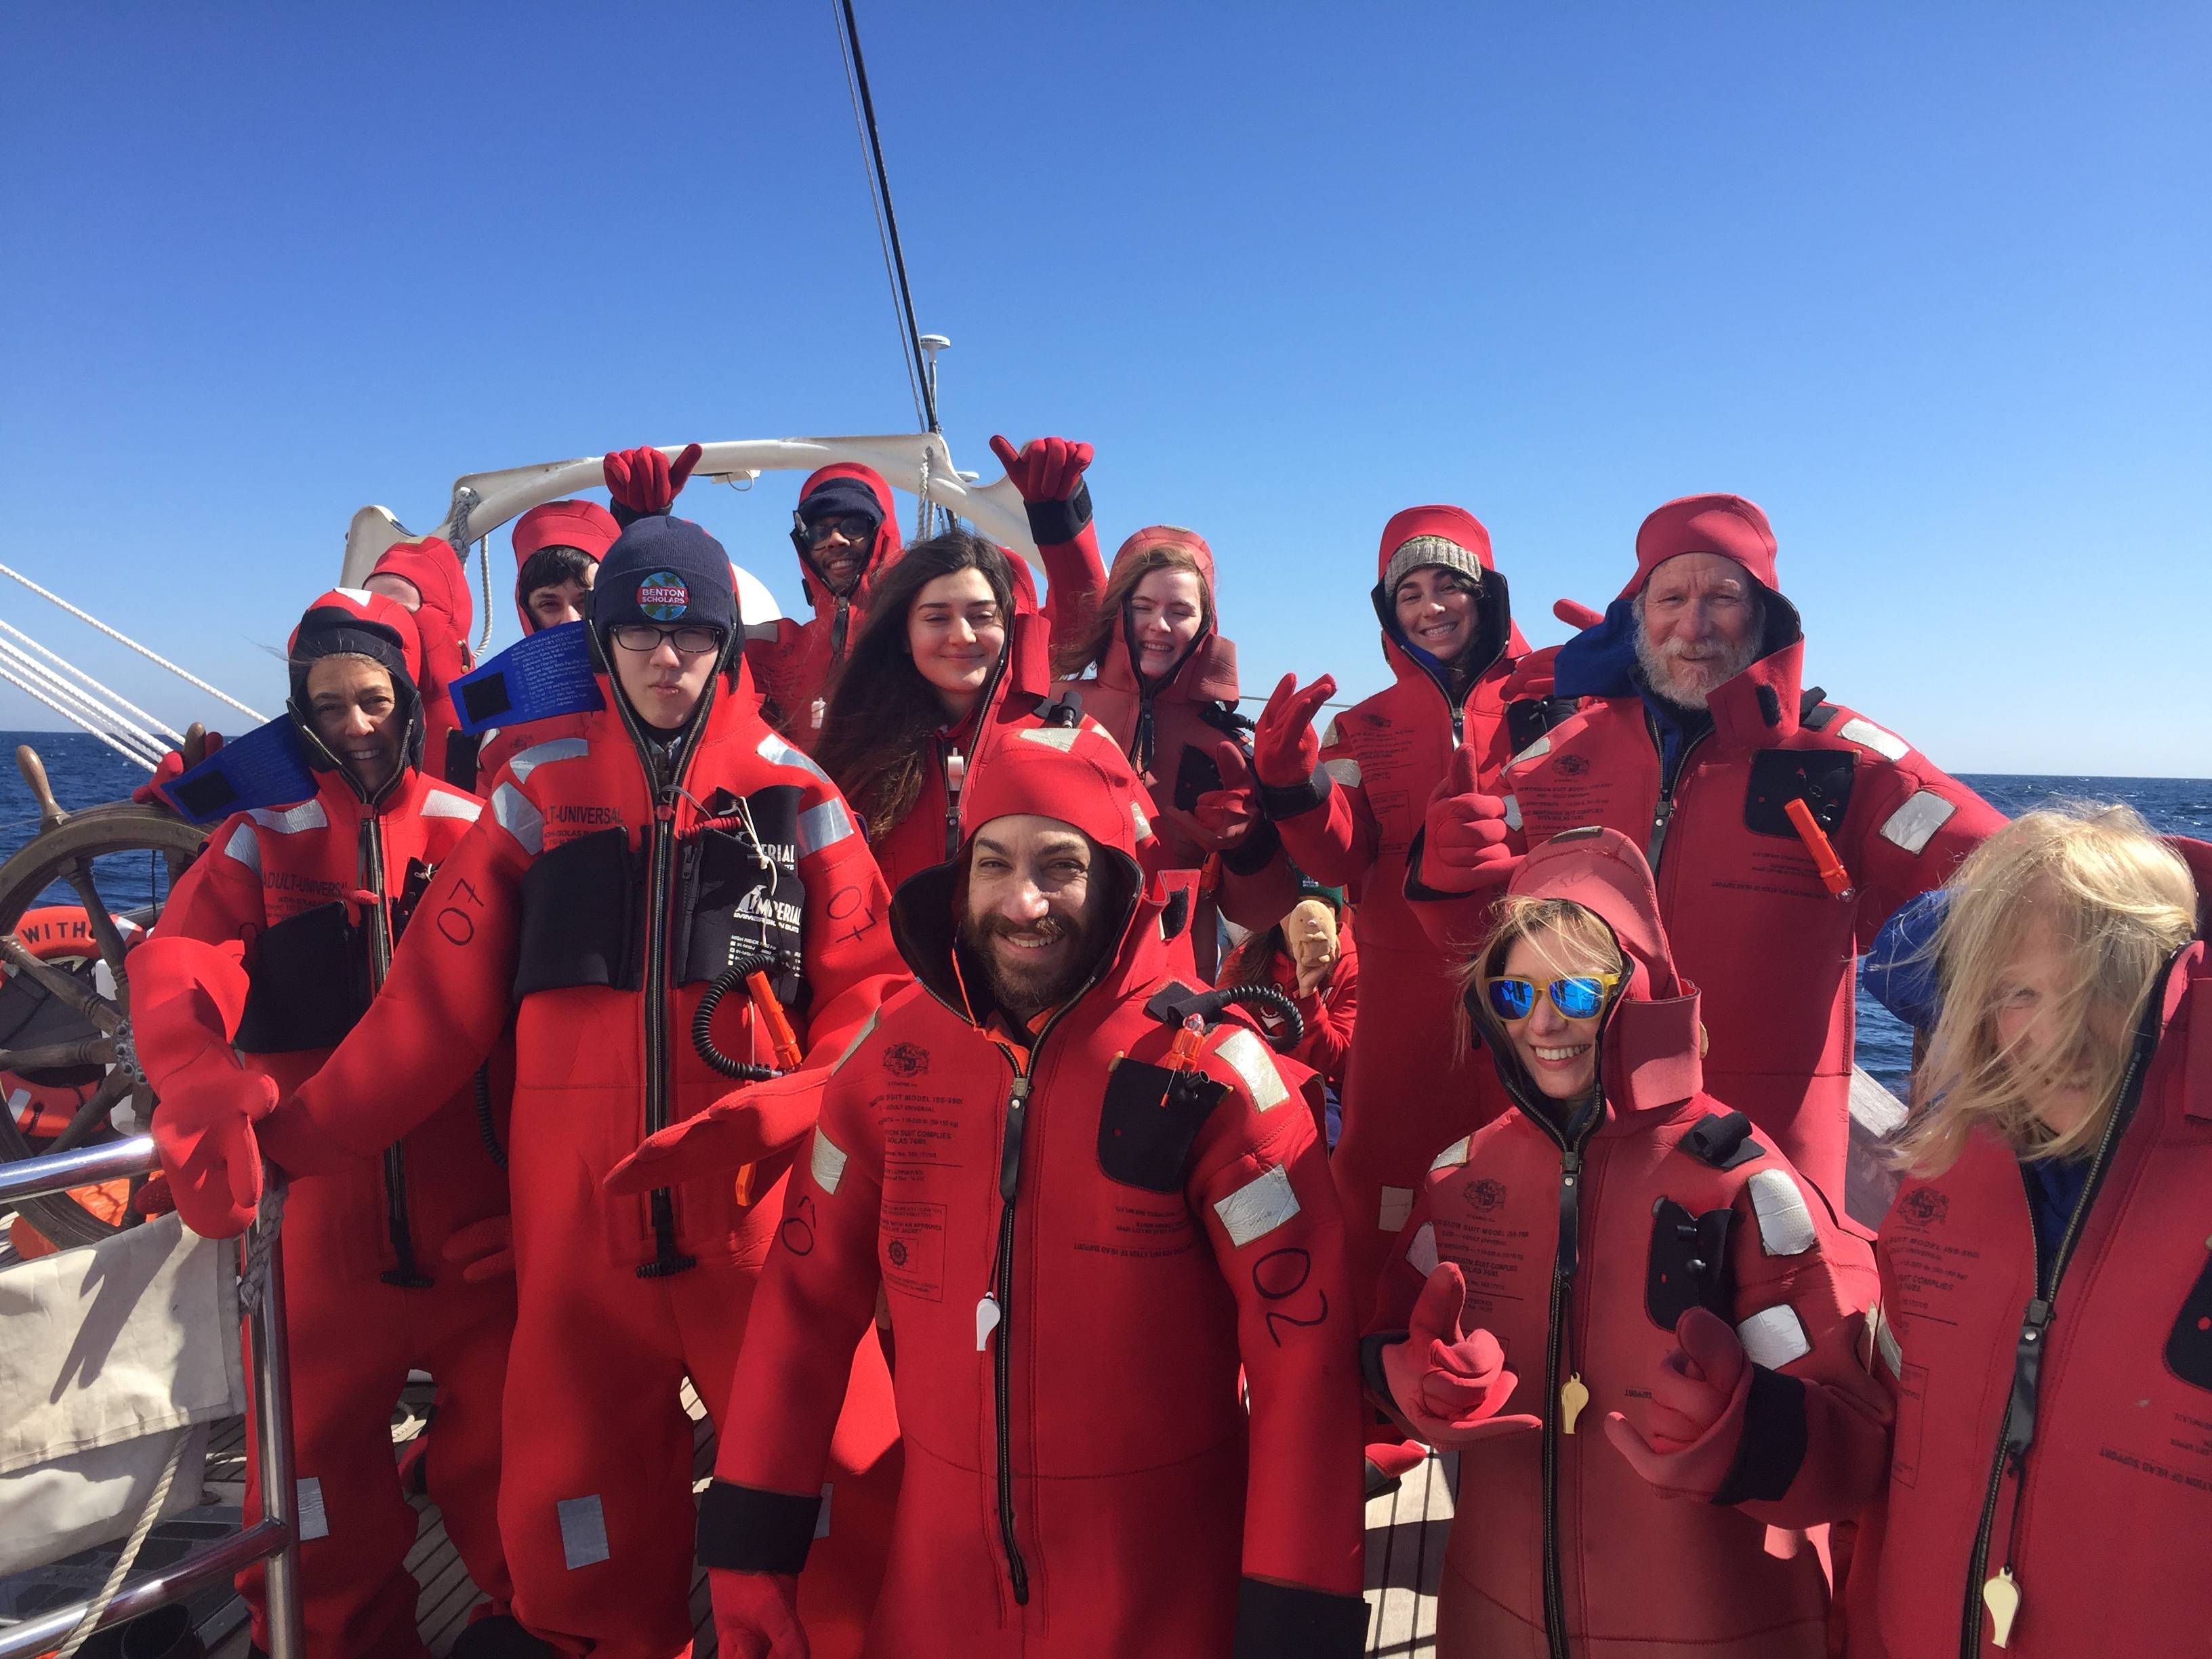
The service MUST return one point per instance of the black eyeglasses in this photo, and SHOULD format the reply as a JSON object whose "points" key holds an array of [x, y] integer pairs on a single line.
{"points": [[644, 636], [855, 527]]}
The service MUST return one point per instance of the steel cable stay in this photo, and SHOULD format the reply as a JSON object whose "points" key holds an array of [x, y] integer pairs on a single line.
{"points": [[89, 709], [31, 690], [152, 656], [108, 692]]}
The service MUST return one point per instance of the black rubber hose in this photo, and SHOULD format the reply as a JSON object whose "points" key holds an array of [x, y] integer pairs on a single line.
{"points": [[1266, 996], [731, 976]]}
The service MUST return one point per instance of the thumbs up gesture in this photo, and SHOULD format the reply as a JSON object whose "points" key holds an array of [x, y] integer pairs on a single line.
{"points": [[1465, 843], [1450, 1385]]}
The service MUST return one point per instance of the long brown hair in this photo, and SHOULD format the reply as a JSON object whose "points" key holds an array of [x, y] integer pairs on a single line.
{"points": [[882, 711], [1075, 658]]}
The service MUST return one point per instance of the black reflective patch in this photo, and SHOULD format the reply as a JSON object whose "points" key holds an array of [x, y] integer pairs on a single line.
{"points": [[485, 700], [1723, 1140], [578, 910], [1149, 1122], [1772, 1449], [745, 1529], [1689, 1265], [1821, 778], [2189, 1345], [205, 797], [309, 985], [1175, 916]]}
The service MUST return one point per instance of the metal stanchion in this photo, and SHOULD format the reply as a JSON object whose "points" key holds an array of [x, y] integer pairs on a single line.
{"points": [[272, 1434]]}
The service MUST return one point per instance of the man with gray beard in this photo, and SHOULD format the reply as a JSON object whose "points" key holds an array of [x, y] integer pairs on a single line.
{"points": [[1781, 829]]}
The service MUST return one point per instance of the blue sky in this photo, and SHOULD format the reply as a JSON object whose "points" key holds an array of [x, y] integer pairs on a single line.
{"points": [[1927, 283]]}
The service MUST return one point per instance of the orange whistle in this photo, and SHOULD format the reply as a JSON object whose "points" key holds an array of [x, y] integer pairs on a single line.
{"points": [[780, 1037], [1184, 1051], [1832, 873]]}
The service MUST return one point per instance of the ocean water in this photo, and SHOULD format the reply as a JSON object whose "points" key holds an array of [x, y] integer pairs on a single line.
{"points": [[84, 772]]}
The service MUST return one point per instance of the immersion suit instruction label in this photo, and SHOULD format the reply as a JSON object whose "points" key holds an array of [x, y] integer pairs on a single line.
{"points": [[913, 1254], [919, 1131], [1491, 1254], [1142, 1233]]}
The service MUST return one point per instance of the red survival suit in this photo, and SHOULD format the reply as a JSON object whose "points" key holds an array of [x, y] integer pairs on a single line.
{"points": [[591, 530], [1095, 1485], [444, 619], [1583, 1244], [792, 662], [1172, 731], [1328, 1010], [1753, 923], [595, 908], [2102, 1525], [1350, 827], [368, 1292]]}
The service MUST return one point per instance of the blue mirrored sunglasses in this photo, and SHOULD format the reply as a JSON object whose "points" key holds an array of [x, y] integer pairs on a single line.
{"points": [[1578, 996]]}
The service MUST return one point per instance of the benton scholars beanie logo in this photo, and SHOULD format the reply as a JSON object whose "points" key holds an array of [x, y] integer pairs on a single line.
{"points": [[664, 570], [662, 596]]}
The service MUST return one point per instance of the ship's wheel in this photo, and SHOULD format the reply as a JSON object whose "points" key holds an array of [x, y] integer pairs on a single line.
{"points": [[66, 1061]]}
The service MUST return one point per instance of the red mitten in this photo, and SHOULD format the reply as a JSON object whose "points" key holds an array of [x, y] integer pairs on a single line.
{"points": [[1044, 469], [1464, 844], [186, 997], [642, 480], [1447, 1386], [1532, 675], [1692, 1425], [1285, 749], [154, 1198], [483, 1250], [745, 1125], [173, 767], [1231, 813], [756, 1614]]}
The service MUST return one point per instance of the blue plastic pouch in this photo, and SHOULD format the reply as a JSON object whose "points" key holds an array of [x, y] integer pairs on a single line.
{"points": [[267, 767], [535, 678]]}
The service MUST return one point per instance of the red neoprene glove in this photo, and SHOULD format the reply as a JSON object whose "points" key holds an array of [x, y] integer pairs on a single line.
{"points": [[482, 1249], [1450, 1386], [172, 767], [1285, 749], [154, 1198], [756, 1614], [1532, 675], [1692, 1425], [746, 1126], [1231, 813], [185, 997], [1044, 469], [643, 481], [1464, 844]]}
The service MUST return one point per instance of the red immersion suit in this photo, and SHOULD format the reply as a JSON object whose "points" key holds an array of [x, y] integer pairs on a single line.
{"points": [[1753, 923], [1329, 1011], [1349, 829], [443, 620], [368, 1292], [1582, 1242], [595, 908], [2102, 1523], [1085, 1480], [1172, 731]]}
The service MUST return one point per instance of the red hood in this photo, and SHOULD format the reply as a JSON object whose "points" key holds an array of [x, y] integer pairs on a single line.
{"points": [[1727, 524], [1029, 640], [1653, 1035], [585, 526], [447, 613], [888, 546], [1208, 672], [1496, 637]]}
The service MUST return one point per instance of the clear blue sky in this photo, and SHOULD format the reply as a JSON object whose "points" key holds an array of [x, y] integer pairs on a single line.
{"points": [[1927, 282]]}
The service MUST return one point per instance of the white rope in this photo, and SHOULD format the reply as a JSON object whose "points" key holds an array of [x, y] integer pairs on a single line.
{"points": [[98, 1605], [151, 656], [116, 697], [24, 686], [137, 735]]}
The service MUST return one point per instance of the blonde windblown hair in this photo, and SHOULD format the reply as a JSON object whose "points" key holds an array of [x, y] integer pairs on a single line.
{"points": [[2119, 903], [1570, 938]]}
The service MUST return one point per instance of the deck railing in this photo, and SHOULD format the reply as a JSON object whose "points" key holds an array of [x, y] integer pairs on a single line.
{"points": [[274, 1537]]}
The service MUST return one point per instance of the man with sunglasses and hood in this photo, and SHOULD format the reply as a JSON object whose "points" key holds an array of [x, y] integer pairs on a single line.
{"points": [[267, 952], [1695, 737], [1095, 1205], [627, 868]]}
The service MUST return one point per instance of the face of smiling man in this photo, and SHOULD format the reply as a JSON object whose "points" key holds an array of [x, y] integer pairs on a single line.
{"points": [[1036, 910]]}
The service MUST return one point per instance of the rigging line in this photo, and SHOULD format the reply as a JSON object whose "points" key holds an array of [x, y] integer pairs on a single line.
{"points": [[8, 675], [113, 696], [876, 208], [152, 656], [40, 674], [890, 214]]}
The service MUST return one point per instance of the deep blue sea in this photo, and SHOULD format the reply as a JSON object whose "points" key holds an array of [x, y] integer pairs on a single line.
{"points": [[84, 772]]}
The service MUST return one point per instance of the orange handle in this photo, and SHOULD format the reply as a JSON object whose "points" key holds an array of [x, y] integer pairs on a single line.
{"points": [[1832, 873], [781, 1037]]}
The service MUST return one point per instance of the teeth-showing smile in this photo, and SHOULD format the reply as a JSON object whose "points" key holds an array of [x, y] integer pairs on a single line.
{"points": [[1555, 1056]]}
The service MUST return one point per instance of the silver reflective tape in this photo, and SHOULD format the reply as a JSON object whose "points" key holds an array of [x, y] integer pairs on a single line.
{"points": [[1774, 1336], [1258, 1207], [1913, 824], [1144, 825], [1397, 1204], [583, 1531], [776, 750], [1868, 735], [358, 595], [1454, 1154], [1421, 1253], [1062, 738], [314, 1520], [444, 803], [1887, 1345], [824, 826], [561, 749], [822, 1520], [1345, 772], [1785, 1225], [1513, 812], [245, 846], [1535, 750], [1253, 1064], [1333, 735], [854, 1047], [308, 815], [827, 1164], [511, 810]]}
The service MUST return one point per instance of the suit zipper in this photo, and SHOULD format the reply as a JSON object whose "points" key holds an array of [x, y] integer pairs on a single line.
{"points": [[1560, 1374], [2001, 1595], [407, 1274], [1663, 810], [667, 1259], [1002, 1290], [953, 771]]}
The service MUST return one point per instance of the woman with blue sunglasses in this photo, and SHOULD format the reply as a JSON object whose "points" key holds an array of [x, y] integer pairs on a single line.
{"points": [[1636, 1324]]}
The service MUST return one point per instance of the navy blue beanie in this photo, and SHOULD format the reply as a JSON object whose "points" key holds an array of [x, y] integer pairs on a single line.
{"points": [[840, 496], [668, 571]]}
